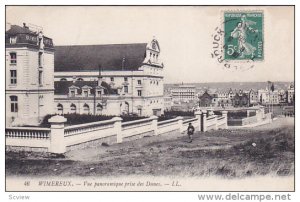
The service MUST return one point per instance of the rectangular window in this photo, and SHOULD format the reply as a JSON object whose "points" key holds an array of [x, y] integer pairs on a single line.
{"points": [[14, 103], [125, 79], [125, 89], [139, 82], [40, 59], [13, 76], [112, 79], [99, 93], [13, 58], [139, 92], [72, 93], [86, 94], [40, 77]]}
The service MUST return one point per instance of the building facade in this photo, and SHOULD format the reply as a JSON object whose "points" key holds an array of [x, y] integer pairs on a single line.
{"points": [[253, 97], [205, 100], [29, 90], [183, 93], [290, 94], [133, 71], [241, 100]]}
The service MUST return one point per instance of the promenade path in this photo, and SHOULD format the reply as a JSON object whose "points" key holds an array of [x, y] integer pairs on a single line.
{"points": [[178, 141]]}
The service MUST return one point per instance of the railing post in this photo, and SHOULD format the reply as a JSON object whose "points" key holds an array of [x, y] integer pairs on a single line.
{"points": [[204, 114], [180, 124], [118, 128], [198, 115], [57, 136], [154, 124], [224, 114]]}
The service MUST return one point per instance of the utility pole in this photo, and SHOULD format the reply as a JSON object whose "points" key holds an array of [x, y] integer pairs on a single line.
{"points": [[99, 76]]}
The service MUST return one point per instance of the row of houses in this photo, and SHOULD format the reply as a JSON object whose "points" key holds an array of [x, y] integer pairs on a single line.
{"points": [[109, 79], [252, 97]]}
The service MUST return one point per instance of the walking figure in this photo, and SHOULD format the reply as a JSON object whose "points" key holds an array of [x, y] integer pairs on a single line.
{"points": [[190, 131]]}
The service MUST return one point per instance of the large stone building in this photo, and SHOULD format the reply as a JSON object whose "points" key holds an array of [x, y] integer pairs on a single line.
{"points": [[29, 90], [132, 72], [183, 93]]}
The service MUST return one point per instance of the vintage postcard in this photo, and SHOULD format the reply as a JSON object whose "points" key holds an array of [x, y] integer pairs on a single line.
{"points": [[150, 98]]}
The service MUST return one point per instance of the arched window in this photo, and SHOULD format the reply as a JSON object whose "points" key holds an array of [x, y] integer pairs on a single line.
{"points": [[73, 108], [63, 79], [80, 79], [60, 108], [86, 108]]}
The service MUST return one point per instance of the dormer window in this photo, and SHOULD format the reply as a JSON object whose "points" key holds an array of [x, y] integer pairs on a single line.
{"points": [[13, 40], [73, 91], [85, 93]]}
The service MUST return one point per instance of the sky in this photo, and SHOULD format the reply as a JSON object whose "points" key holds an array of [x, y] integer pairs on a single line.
{"points": [[184, 34]]}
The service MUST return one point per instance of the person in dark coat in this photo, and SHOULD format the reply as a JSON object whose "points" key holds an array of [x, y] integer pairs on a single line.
{"points": [[190, 131]]}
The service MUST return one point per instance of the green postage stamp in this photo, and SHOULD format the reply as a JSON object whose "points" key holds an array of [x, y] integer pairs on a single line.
{"points": [[243, 39]]}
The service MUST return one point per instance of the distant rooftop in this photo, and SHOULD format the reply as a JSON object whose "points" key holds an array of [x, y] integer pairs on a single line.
{"points": [[16, 35]]}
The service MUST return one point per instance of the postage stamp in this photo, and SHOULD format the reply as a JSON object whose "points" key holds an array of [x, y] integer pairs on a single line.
{"points": [[243, 37]]}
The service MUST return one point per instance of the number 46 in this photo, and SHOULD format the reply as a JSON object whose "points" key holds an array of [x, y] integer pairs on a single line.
{"points": [[231, 49]]}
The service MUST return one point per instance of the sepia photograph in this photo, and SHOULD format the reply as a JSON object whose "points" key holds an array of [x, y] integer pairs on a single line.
{"points": [[149, 98]]}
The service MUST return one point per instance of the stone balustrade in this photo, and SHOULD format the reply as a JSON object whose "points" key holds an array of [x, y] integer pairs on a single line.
{"points": [[60, 138]]}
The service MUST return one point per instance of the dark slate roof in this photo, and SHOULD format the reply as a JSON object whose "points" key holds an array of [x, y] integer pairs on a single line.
{"points": [[205, 95], [62, 87], [89, 57], [16, 29]]}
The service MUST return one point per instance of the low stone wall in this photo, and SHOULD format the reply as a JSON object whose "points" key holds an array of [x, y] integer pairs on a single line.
{"points": [[27, 139], [167, 126], [243, 121], [60, 139]]}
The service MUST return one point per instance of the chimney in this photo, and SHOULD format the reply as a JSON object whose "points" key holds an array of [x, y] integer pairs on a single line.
{"points": [[24, 26]]}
